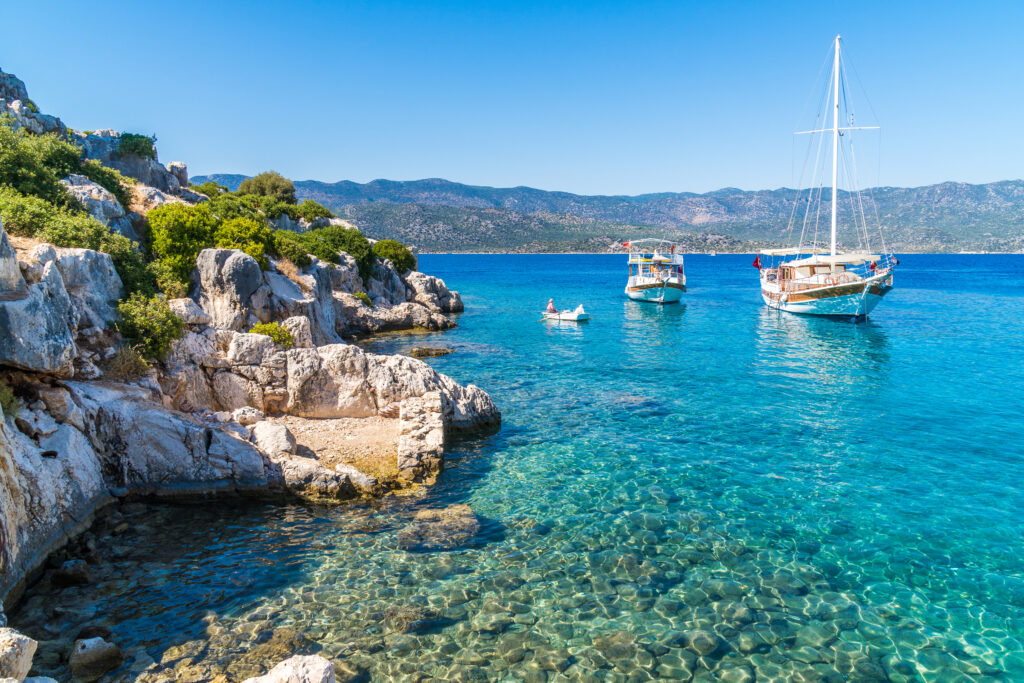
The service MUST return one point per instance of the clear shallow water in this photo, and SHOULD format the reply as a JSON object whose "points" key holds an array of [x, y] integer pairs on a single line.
{"points": [[710, 490]]}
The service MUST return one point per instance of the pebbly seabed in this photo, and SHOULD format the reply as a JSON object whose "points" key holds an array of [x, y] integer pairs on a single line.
{"points": [[705, 490]]}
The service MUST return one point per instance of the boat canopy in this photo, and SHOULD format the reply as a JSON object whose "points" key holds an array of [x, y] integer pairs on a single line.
{"points": [[792, 251], [829, 259]]}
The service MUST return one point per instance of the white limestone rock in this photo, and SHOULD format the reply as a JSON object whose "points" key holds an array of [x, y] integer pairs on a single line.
{"points": [[16, 652], [299, 669], [36, 330], [273, 438], [421, 437], [432, 292], [247, 416], [298, 326], [250, 349], [189, 311], [228, 278], [386, 287], [92, 283], [101, 204]]}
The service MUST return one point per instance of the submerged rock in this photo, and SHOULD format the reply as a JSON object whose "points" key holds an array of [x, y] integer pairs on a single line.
{"points": [[299, 669], [443, 529], [430, 351], [93, 657]]}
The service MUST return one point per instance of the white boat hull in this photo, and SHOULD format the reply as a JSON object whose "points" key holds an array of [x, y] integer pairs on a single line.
{"points": [[854, 300], [567, 316], [659, 294]]}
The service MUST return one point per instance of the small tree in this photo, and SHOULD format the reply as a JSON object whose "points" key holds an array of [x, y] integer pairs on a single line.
{"points": [[269, 184], [179, 233], [276, 331], [251, 236]]}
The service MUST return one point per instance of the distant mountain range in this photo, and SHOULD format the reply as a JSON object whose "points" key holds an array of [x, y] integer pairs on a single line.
{"points": [[439, 215]]}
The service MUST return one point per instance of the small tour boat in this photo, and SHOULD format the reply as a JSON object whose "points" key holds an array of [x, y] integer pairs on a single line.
{"points": [[809, 280], [655, 271], [578, 315]]}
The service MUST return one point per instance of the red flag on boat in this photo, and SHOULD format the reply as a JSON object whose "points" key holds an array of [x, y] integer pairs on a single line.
{"points": [[757, 261], [626, 244]]}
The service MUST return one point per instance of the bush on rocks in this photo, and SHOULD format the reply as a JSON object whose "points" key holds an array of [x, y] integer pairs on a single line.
{"points": [[251, 236], [179, 232], [34, 217], [269, 184], [287, 246], [210, 189], [150, 323], [34, 164], [325, 243], [125, 365], [276, 331], [397, 253], [309, 210], [365, 298], [140, 145]]}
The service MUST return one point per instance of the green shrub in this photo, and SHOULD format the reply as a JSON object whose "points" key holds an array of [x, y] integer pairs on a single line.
{"points": [[125, 365], [325, 243], [251, 236], [233, 205], [309, 210], [397, 253], [33, 217], [210, 189], [31, 106], [276, 331], [150, 323], [34, 164], [139, 145], [365, 298], [179, 232], [8, 403], [287, 246], [269, 184], [111, 179], [167, 280]]}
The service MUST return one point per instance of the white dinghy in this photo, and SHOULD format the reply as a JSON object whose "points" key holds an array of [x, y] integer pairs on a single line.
{"points": [[577, 316]]}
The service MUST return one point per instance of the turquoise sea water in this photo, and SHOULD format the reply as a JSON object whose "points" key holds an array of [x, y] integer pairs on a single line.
{"points": [[710, 490]]}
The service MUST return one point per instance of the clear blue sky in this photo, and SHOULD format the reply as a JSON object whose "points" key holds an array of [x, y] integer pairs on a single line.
{"points": [[616, 98]]}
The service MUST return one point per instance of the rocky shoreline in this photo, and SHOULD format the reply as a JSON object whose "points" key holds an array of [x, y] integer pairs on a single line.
{"points": [[213, 417]]}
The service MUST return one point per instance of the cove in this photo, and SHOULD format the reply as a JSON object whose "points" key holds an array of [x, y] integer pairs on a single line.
{"points": [[684, 492]]}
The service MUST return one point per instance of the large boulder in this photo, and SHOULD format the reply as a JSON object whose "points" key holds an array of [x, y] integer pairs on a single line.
{"points": [[273, 438], [36, 331], [100, 204], [227, 279], [299, 669], [432, 293], [92, 283]]}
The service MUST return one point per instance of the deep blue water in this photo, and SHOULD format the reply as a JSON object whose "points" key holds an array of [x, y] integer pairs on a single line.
{"points": [[830, 500]]}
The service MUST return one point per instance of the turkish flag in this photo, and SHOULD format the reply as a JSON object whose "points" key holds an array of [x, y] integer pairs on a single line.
{"points": [[625, 244], [757, 261]]}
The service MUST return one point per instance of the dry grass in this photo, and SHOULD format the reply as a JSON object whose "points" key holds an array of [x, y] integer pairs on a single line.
{"points": [[127, 364], [292, 272], [369, 444], [23, 244]]}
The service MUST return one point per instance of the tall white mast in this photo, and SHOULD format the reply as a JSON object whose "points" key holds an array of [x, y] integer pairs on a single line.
{"points": [[835, 146]]}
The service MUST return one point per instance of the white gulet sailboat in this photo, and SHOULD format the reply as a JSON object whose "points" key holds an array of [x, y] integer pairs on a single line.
{"points": [[814, 280]]}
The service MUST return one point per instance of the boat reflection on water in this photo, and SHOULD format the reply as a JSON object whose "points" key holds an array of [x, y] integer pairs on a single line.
{"points": [[827, 352]]}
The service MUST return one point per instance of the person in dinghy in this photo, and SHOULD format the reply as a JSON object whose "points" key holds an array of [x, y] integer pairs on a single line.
{"points": [[551, 306]]}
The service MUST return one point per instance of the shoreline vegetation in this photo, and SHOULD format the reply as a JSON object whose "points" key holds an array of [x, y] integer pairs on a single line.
{"points": [[188, 342]]}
